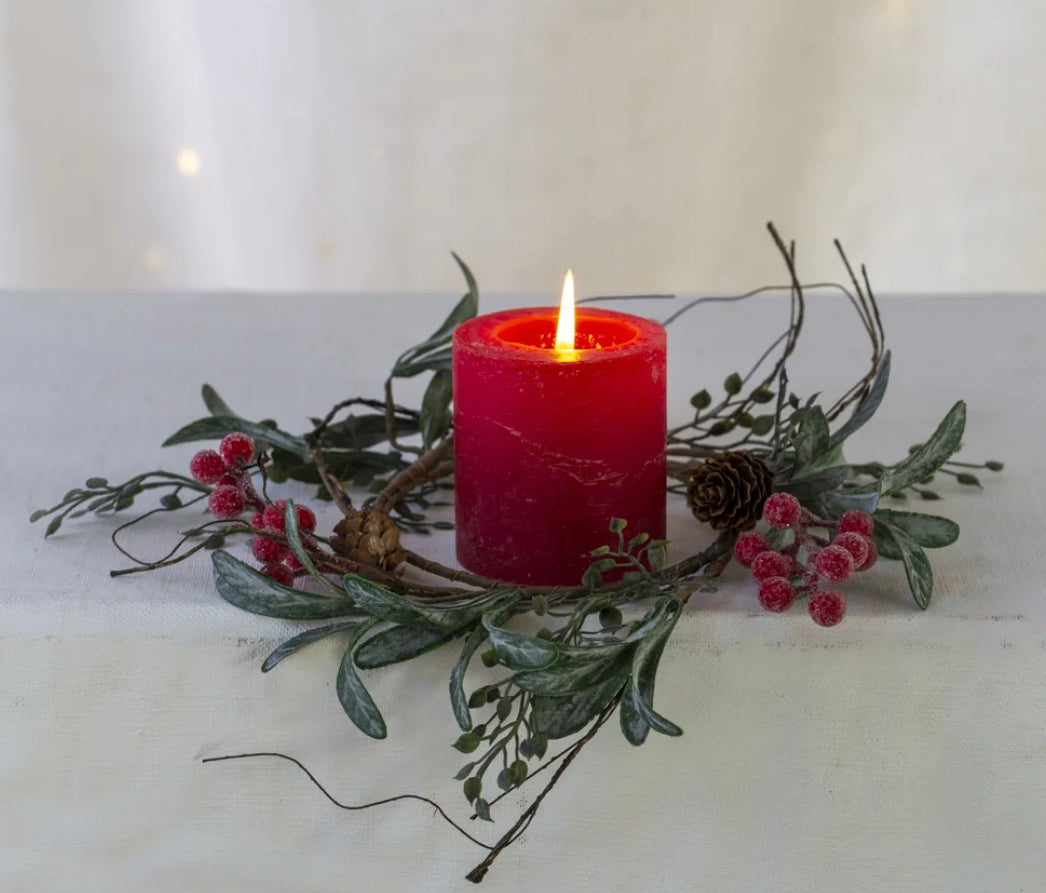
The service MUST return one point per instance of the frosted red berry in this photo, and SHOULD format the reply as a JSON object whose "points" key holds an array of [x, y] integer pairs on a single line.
{"points": [[834, 563], [207, 467], [856, 544], [230, 480], [269, 551], [278, 572], [749, 546], [827, 607], [855, 521], [771, 564], [776, 594], [237, 448], [782, 510], [273, 516], [873, 555], [292, 562], [226, 502], [257, 521], [306, 518]]}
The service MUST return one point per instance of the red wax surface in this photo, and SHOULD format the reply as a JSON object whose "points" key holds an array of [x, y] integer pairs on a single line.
{"points": [[550, 445]]}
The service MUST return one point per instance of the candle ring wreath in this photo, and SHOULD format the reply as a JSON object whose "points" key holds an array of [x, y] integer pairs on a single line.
{"points": [[758, 463]]}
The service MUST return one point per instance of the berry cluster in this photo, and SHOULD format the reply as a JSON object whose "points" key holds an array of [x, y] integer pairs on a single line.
{"points": [[228, 469], [782, 577]]}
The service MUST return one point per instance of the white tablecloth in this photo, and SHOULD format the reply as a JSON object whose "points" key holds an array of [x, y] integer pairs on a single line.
{"points": [[900, 751]]}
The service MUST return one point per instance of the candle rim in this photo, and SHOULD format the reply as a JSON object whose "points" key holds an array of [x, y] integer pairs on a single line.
{"points": [[480, 335]]}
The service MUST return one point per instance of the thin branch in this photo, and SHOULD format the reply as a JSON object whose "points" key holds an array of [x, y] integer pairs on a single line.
{"points": [[346, 806], [479, 872]]}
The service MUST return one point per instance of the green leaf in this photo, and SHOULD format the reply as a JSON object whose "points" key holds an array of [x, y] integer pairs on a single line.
{"points": [[399, 643], [559, 717], [245, 588], [215, 405], [733, 384], [432, 353], [929, 531], [170, 501], [810, 487], [916, 565], [359, 432], [651, 717], [96, 483], [762, 395], [482, 808], [37, 515], [458, 701], [52, 528], [381, 602], [353, 694], [518, 772], [435, 408], [701, 400], [610, 617], [812, 438], [845, 500], [467, 742], [636, 721], [868, 404], [519, 650], [763, 424], [633, 726], [931, 455], [591, 578], [472, 787], [216, 427], [290, 517], [302, 639], [572, 675]]}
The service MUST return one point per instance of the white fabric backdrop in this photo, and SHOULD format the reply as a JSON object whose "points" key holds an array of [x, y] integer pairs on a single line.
{"points": [[309, 144]]}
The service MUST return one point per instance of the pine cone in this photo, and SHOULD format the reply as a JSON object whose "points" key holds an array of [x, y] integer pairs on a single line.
{"points": [[728, 490], [369, 537]]}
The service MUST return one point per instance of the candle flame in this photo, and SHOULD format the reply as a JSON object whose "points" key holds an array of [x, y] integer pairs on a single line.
{"points": [[565, 329]]}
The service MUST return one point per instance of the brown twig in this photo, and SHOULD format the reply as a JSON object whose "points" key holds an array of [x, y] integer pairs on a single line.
{"points": [[420, 471], [509, 837]]}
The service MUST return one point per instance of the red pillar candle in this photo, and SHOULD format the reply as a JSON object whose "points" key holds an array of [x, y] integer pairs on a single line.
{"points": [[550, 444]]}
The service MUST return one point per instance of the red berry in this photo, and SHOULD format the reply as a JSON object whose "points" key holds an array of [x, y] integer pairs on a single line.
{"points": [[274, 517], [229, 479], [827, 607], [257, 522], [237, 449], [306, 518], [226, 502], [776, 594], [292, 562], [749, 546], [782, 510], [873, 555], [856, 544], [834, 563], [771, 564], [855, 521], [269, 551], [278, 572], [207, 467]]}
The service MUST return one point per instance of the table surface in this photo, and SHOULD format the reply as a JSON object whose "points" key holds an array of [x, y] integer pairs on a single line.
{"points": [[900, 751]]}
